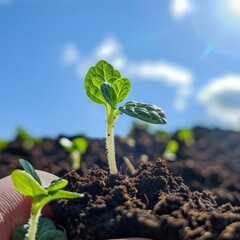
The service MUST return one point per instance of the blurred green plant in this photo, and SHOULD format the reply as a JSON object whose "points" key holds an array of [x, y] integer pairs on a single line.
{"points": [[171, 150], [187, 136], [162, 136], [3, 144], [29, 184], [28, 140], [76, 148]]}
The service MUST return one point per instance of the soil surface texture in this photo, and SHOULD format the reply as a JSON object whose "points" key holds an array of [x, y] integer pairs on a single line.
{"points": [[197, 196], [211, 163], [152, 203]]}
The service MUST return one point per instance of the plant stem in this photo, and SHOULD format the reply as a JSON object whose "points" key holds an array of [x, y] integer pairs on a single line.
{"points": [[76, 157], [33, 224], [110, 117]]}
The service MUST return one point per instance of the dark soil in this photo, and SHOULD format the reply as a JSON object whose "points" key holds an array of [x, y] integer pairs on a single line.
{"points": [[152, 203], [212, 163], [204, 203]]}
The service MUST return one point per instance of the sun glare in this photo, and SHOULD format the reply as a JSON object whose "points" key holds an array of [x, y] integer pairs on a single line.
{"points": [[233, 6]]}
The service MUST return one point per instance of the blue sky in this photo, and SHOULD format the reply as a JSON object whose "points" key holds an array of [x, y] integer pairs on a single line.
{"points": [[182, 55]]}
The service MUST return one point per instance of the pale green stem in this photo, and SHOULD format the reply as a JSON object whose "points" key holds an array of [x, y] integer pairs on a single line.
{"points": [[76, 158], [33, 224], [110, 117]]}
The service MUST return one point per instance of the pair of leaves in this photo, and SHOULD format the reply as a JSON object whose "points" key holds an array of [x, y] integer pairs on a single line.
{"points": [[28, 183], [80, 144], [104, 84], [46, 231]]}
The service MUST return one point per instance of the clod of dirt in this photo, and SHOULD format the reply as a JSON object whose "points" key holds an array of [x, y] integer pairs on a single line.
{"points": [[152, 203]]}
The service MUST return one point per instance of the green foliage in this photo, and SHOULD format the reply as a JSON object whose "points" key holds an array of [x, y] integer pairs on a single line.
{"points": [[76, 148], [3, 144], [80, 144], [162, 135], [146, 112], [105, 85], [187, 136], [28, 183], [28, 140], [46, 231], [171, 150], [29, 169]]}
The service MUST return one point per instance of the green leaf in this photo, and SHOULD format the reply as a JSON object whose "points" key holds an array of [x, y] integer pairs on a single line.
{"points": [[45, 224], [109, 94], [102, 72], [46, 231], [172, 147], [186, 135], [20, 232], [53, 235], [121, 88], [22, 134], [59, 194], [26, 184], [143, 111], [57, 185], [80, 144], [66, 144], [65, 194], [27, 166]]}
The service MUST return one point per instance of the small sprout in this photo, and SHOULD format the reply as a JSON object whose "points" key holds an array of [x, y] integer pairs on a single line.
{"points": [[187, 136], [171, 150], [162, 136], [129, 165], [105, 85], [28, 141], [28, 184], [76, 148], [144, 159]]}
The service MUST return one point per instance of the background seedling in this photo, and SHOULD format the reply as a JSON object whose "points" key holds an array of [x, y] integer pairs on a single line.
{"points": [[29, 184], [105, 85], [171, 150], [187, 136], [3, 144], [28, 140], [76, 148]]}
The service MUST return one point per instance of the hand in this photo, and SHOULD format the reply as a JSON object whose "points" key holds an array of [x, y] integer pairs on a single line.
{"points": [[15, 208]]}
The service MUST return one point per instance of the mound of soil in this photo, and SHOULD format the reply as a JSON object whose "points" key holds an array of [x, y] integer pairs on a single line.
{"points": [[152, 203]]}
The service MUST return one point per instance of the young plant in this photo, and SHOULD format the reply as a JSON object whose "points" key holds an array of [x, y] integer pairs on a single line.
{"points": [[187, 136], [105, 85], [171, 150], [28, 140], [76, 148], [29, 184]]}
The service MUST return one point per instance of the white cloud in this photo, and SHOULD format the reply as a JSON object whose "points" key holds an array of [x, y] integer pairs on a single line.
{"points": [[180, 8], [170, 74], [221, 97], [70, 54]]}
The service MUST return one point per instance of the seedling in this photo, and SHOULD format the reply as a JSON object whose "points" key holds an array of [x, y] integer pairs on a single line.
{"points": [[28, 140], [171, 150], [29, 184], [187, 136], [104, 85], [76, 148]]}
